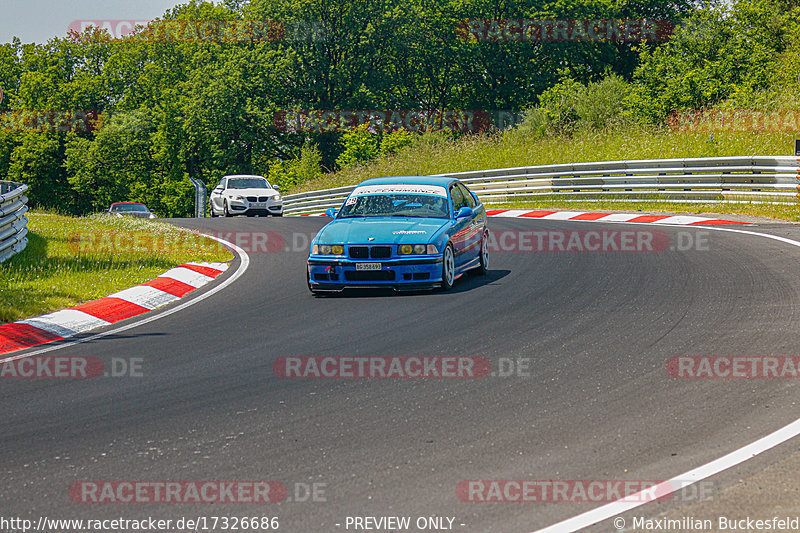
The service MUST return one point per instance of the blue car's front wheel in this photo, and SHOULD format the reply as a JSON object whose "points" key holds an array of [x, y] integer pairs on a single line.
{"points": [[448, 268], [483, 267]]}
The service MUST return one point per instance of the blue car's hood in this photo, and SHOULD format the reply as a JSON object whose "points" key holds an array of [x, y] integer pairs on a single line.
{"points": [[394, 230]]}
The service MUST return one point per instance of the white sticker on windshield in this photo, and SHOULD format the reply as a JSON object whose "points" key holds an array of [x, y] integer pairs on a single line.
{"points": [[351, 200], [400, 188]]}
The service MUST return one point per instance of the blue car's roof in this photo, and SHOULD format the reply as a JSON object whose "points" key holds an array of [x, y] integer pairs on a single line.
{"points": [[410, 180]]}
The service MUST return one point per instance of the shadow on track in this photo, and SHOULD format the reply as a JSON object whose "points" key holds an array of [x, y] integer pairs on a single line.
{"points": [[465, 283]]}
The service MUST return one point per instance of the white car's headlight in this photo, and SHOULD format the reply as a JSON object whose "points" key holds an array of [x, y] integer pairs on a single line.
{"points": [[277, 197], [237, 197]]}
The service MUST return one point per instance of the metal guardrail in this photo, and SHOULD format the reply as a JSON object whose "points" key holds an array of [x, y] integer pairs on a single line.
{"points": [[758, 179], [13, 222]]}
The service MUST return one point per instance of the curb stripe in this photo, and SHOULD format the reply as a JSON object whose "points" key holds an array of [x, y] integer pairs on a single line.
{"points": [[718, 222], [148, 297], [680, 220], [536, 214], [205, 270], [65, 323], [131, 302], [18, 336], [220, 267], [171, 286], [649, 218], [187, 276], [563, 215], [111, 309], [589, 216]]}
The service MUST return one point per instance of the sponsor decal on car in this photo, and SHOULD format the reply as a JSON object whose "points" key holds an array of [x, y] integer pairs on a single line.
{"points": [[434, 190]]}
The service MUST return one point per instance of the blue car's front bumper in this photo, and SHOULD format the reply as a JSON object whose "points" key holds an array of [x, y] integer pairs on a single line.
{"points": [[338, 273]]}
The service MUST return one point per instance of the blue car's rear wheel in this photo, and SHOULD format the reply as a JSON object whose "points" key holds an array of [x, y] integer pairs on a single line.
{"points": [[448, 268]]}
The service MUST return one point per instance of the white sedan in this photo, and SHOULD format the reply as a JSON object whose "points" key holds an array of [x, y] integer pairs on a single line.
{"points": [[245, 195]]}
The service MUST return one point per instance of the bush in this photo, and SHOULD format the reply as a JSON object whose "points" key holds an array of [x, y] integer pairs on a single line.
{"points": [[294, 172], [393, 142], [570, 106], [360, 146]]}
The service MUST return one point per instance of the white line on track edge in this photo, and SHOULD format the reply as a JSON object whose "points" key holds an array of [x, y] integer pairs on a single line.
{"points": [[734, 458], [244, 264]]}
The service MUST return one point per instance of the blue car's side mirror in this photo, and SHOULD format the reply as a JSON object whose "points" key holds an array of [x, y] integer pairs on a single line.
{"points": [[330, 212], [464, 212]]}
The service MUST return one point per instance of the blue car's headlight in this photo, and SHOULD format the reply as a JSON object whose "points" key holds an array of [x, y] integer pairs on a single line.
{"points": [[327, 249], [416, 249]]}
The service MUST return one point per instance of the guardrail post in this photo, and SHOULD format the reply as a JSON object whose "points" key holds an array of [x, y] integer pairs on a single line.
{"points": [[200, 195], [13, 222]]}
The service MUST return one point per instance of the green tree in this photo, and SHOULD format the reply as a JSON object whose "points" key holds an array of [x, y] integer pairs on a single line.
{"points": [[360, 146]]}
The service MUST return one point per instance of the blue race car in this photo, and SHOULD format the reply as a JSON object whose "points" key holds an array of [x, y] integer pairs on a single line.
{"points": [[406, 233]]}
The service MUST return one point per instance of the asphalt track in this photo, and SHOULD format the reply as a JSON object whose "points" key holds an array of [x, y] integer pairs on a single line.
{"points": [[597, 329]]}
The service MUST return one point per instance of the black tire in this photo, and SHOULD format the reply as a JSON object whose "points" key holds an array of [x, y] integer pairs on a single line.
{"points": [[448, 268], [483, 268], [225, 209]]}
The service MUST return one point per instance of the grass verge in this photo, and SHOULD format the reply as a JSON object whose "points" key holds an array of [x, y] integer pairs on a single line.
{"points": [[55, 271], [437, 154]]}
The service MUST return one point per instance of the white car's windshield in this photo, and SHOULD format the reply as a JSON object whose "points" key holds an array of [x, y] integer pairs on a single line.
{"points": [[129, 208], [248, 183], [395, 205]]}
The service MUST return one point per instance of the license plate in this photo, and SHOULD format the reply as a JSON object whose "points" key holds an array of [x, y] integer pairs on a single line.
{"points": [[368, 266], [258, 205]]}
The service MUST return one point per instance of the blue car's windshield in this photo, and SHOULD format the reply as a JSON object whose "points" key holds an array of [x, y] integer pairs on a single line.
{"points": [[395, 205]]}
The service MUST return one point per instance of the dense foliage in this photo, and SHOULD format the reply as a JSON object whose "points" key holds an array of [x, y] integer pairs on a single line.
{"points": [[193, 106]]}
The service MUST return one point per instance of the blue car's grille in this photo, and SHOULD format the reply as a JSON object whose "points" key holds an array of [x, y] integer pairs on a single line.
{"points": [[359, 252], [380, 252], [371, 252]]}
